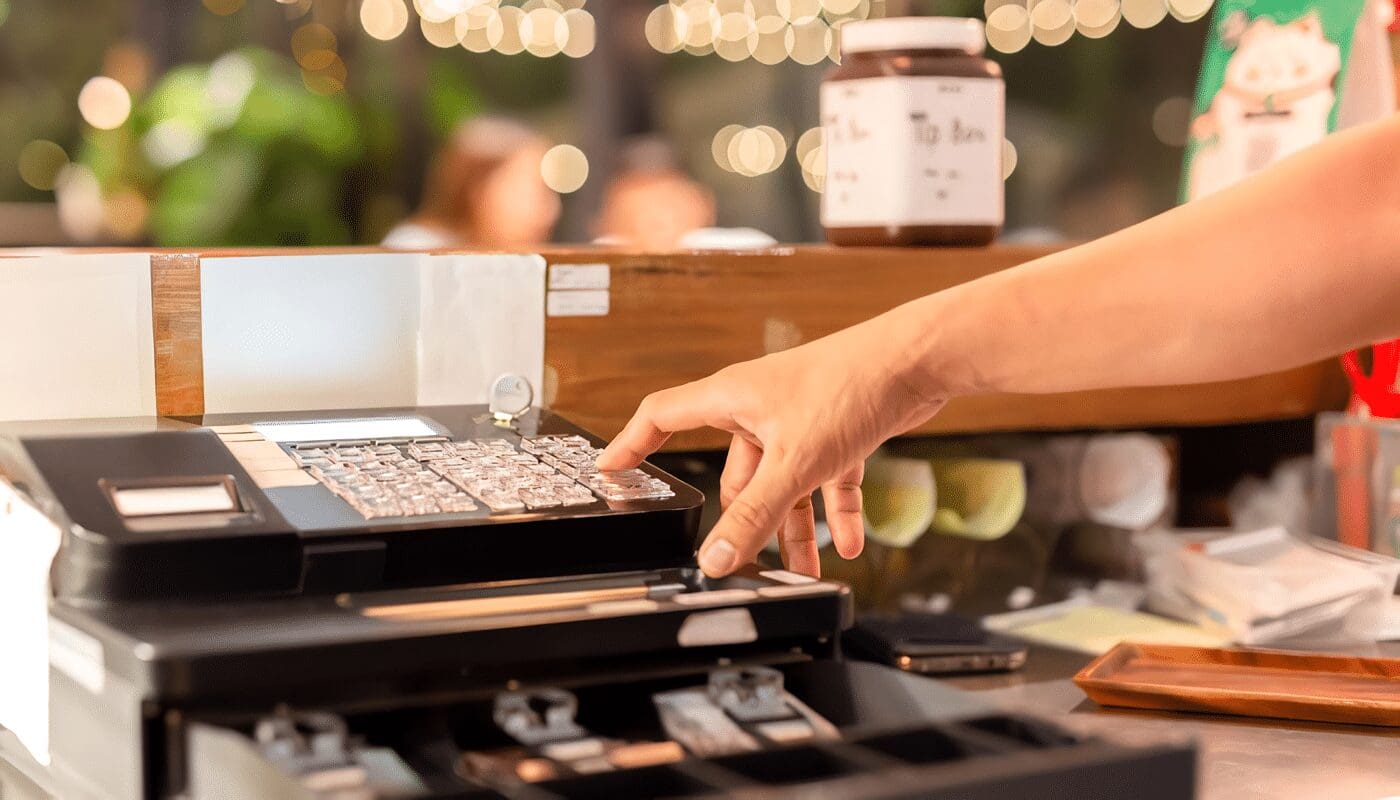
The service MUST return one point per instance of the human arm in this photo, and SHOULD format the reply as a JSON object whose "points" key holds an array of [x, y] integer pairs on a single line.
{"points": [[1294, 265]]}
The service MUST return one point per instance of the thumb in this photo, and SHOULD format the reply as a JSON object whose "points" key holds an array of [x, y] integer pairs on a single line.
{"points": [[751, 519]]}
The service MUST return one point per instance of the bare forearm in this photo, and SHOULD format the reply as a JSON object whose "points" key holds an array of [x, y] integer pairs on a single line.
{"points": [[1298, 264]]}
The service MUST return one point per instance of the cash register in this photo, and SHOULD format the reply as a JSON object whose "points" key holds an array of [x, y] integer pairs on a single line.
{"points": [[452, 602]]}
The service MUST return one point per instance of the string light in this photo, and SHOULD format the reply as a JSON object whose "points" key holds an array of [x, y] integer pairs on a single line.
{"points": [[814, 169], [564, 168], [172, 142], [665, 29], [1095, 13], [78, 196], [314, 46], [1011, 24], [749, 152], [1144, 13], [1188, 10], [104, 103], [719, 146], [768, 31], [544, 32], [1009, 28], [810, 153], [809, 42], [384, 19], [223, 7], [125, 212], [1052, 22], [40, 162], [439, 34], [580, 34], [1171, 120]]}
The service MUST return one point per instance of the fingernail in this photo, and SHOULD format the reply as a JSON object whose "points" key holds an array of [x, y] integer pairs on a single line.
{"points": [[717, 558]]}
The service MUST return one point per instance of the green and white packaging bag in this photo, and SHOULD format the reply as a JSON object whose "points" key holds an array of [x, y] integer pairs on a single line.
{"points": [[1279, 75]]}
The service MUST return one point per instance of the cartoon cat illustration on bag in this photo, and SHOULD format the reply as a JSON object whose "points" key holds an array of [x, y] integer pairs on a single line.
{"points": [[1276, 99]]}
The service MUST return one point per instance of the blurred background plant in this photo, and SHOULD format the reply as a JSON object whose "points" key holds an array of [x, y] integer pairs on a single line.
{"points": [[237, 152]]}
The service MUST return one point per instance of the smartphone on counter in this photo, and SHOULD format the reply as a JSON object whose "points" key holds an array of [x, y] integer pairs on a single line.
{"points": [[932, 644]]}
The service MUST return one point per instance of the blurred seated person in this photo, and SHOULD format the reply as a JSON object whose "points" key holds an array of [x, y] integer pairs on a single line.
{"points": [[483, 191], [651, 203]]}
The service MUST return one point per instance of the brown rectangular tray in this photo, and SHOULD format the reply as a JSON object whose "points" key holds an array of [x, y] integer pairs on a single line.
{"points": [[1252, 683]]}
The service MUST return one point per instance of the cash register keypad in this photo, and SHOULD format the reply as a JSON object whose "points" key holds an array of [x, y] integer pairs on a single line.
{"points": [[443, 477]]}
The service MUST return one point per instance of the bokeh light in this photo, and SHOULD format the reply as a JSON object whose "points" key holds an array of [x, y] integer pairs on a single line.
{"points": [[1095, 14], [719, 146], [40, 162], [384, 19], [326, 81], [104, 103], [564, 168], [799, 12], [512, 25], [749, 151], [582, 35], [1052, 22], [1188, 10], [129, 63], [223, 7], [808, 42], [125, 213], [171, 142], [1144, 13], [1009, 157], [842, 6], [441, 10], [81, 210], [809, 140], [1171, 121], [1009, 28], [1099, 31], [441, 34], [814, 169], [810, 152], [665, 29], [768, 31], [314, 46], [544, 32]]}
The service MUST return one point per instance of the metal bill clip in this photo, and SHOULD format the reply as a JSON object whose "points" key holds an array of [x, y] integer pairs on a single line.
{"points": [[751, 694], [538, 717], [315, 747], [510, 397]]}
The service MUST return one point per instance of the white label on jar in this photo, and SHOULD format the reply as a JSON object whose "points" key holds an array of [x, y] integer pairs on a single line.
{"points": [[913, 151]]}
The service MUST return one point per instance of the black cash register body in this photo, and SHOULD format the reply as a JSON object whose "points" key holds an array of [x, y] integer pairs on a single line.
{"points": [[270, 614]]}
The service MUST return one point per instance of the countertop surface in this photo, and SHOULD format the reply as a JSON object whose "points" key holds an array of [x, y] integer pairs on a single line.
{"points": [[1241, 758]]}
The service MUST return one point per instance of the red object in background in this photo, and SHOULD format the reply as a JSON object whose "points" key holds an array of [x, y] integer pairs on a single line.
{"points": [[1395, 23], [1354, 446], [1375, 393]]}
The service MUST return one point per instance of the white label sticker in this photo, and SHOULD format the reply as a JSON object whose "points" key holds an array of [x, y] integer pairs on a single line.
{"points": [[578, 303], [580, 276], [913, 151], [77, 655]]}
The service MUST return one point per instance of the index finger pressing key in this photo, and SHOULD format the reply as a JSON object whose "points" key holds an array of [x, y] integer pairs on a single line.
{"points": [[659, 415]]}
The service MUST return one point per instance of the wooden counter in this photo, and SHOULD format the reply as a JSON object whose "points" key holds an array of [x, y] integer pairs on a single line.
{"points": [[674, 318]]}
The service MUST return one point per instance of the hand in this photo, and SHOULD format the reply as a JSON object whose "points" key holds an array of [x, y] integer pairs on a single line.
{"points": [[802, 419]]}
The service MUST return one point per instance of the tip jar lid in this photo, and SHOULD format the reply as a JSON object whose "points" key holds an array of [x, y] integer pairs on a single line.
{"points": [[914, 33]]}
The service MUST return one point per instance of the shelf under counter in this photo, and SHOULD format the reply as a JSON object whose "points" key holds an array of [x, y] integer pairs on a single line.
{"points": [[677, 317]]}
